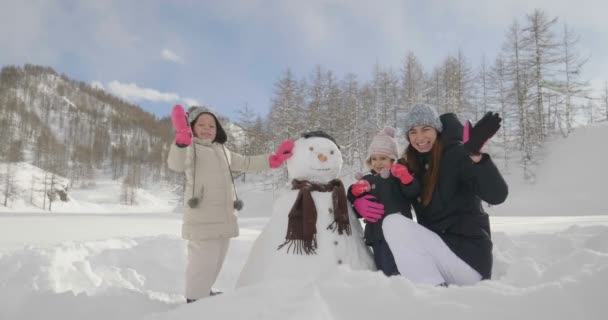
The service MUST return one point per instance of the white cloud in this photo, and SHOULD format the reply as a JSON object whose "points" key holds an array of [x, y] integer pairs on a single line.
{"points": [[97, 85], [132, 92], [191, 102], [171, 56]]}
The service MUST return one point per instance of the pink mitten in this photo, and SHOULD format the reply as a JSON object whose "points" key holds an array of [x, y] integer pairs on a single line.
{"points": [[367, 208], [183, 133], [283, 153], [360, 187], [400, 171]]}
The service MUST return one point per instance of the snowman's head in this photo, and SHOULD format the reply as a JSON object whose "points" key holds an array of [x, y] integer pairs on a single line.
{"points": [[316, 157]]}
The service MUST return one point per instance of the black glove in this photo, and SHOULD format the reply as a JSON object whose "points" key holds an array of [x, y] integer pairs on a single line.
{"points": [[483, 131]]}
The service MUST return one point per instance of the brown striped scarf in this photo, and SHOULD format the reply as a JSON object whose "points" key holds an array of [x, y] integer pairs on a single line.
{"points": [[302, 225]]}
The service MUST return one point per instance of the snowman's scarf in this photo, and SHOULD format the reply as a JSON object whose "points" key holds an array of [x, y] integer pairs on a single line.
{"points": [[302, 226]]}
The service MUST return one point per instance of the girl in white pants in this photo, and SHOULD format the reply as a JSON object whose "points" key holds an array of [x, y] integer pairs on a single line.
{"points": [[210, 219], [205, 259]]}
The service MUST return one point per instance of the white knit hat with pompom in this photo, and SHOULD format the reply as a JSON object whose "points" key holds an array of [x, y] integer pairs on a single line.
{"points": [[384, 143]]}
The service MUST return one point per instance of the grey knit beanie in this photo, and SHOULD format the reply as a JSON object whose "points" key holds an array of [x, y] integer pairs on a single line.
{"points": [[422, 115]]}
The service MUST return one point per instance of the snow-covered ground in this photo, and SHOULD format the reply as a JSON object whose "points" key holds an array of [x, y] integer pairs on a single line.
{"points": [[551, 259], [118, 266]]}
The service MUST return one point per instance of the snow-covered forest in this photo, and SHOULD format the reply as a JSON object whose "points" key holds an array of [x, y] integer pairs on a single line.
{"points": [[77, 132]]}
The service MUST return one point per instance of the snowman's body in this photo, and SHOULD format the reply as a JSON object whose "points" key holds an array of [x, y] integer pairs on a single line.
{"points": [[266, 262]]}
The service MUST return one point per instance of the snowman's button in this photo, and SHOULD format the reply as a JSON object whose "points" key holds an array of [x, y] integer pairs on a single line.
{"points": [[339, 261], [336, 242], [331, 210]]}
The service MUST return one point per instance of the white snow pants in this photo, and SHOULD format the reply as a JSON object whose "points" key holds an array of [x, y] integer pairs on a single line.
{"points": [[205, 259], [421, 255]]}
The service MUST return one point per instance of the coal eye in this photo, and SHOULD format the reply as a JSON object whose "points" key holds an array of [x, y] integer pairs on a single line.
{"points": [[331, 152], [311, 148]]}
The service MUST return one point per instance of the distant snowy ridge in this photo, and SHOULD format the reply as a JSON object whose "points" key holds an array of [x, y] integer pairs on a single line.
{"points": [[571, 180]]}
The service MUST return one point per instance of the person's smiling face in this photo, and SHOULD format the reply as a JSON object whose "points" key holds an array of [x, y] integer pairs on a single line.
{"points": [[422, 138]]}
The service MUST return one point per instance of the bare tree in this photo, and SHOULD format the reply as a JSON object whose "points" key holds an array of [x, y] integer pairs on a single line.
{"points": [[571, 87], [332, 106], [287, 108], [541, 54], [130, 184], [9, 184], [316, 95], [413, 82], [605, 99], [349, 120], [385, 86], [33, 183], [521, 84], [501, 97], [484, 95], [589, 110]]}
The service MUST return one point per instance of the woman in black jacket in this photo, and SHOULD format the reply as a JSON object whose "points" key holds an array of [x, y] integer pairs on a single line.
{"points": [[451, 243]]}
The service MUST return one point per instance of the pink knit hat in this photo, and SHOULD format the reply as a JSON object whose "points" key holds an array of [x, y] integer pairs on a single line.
{"points": [[384, 143]]}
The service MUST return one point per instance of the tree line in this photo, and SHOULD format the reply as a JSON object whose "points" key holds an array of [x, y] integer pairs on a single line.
{"points": [[536, 82], [71, 129]]}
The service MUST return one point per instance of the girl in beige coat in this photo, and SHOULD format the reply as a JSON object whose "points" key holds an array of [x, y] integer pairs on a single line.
{"points": [[210, 218]]}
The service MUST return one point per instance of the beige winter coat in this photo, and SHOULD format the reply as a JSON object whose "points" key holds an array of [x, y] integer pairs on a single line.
{"points": [[215, 216]]}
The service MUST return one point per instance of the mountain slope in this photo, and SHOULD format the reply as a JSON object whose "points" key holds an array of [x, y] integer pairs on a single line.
{"points": [[570, 181]]}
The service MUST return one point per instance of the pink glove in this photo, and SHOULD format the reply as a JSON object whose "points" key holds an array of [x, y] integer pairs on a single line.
{"points": [[360, 187], [370, 211], [183, 133], [400, 171], [283, 153]]}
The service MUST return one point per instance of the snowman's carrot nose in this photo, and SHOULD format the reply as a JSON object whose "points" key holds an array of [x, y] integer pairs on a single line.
{"points": [[322, 157]]}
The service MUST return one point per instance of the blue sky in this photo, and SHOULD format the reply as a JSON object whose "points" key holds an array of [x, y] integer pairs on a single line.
{"points": [[228, 53]]}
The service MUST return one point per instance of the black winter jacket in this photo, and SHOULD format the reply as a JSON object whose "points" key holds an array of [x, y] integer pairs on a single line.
{"points": [[394, 195], [455, 212]]}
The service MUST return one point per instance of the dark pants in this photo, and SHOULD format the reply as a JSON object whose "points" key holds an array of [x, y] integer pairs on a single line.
{"points": [[384, 258]]}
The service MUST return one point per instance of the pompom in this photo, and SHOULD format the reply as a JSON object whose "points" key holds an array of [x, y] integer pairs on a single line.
{"points": [[193, 202], [385, 173], [238, 204], [390, 131], [358, 175]]}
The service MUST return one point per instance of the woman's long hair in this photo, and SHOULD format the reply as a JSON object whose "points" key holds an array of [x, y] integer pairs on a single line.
{"points": [[430, 178]]}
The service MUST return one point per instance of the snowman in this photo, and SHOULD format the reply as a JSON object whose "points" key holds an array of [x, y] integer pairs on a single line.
{"points": [[312, 229]]}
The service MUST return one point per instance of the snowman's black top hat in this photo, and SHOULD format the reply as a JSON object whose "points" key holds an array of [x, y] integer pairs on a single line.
{"points": [[321, 134]]}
